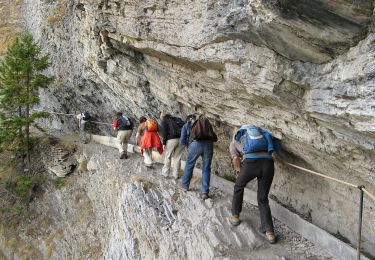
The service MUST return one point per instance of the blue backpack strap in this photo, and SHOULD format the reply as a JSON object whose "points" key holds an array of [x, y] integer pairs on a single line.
{"points": [[239, 134], [268, 137]]}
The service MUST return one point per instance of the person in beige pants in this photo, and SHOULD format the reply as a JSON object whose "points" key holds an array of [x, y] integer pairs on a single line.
{"points": [[172, 153], [125, 130], [171, 131], [123, 137]]}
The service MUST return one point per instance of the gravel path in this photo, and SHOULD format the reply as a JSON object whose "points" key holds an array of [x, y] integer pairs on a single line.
{"points": [[290, 245]]}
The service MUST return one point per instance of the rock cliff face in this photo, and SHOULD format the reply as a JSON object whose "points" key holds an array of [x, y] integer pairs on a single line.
{"points": [[304, 70], [119, 209]]}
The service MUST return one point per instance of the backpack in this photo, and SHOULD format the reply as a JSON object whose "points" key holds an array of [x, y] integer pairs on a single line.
{"points": [[252, 139], [86, 116], [175, 126], [201, 129], [151, 125], [124, 123]]}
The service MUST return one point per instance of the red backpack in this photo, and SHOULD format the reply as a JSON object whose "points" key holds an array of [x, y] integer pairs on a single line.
{"points": [[151, 125]]}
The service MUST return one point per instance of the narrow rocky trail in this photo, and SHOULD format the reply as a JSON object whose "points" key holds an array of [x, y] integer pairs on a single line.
{"points": [[178, 224], [303, 70], [119, 209]]}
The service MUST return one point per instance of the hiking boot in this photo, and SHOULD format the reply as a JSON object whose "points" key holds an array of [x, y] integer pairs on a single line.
{"points": [[270, 236], [184, 188], [122, 156], [204, 196], [234, 220]]}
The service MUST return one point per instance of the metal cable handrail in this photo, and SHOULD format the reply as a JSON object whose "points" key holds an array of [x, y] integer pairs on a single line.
{"points": [[324, 176], [290, 164], [368, 193], [360, 187], [362, 191], [96, 122]]}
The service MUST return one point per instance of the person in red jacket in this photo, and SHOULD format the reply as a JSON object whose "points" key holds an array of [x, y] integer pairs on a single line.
{"points": [[148, 138]]}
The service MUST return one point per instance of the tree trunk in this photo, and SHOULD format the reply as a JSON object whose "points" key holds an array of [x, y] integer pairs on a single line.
{"points": [[28, 128], [28, 137], [20, 133]]}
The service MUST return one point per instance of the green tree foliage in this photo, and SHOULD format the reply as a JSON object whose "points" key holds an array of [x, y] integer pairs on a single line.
{"points": [[20, 78]]}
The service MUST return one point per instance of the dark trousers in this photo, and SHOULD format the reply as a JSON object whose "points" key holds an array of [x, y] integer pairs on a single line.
{"points": [[263, 170]]}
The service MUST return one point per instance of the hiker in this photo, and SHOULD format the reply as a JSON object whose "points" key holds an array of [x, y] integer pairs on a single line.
{"points": [[199, 136], [257, 148], [171, 132], [124, 126], [147, 136], [83, 122]]}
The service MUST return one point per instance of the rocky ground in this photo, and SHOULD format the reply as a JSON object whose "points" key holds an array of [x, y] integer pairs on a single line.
{"points": [[304, 70], [118, 209]]}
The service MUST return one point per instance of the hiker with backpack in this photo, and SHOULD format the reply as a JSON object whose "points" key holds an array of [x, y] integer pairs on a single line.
{"points": [[184, 138], [83, 122], [171, 132], [124, 126], [148, 138], [198, 135], [257, 162]]}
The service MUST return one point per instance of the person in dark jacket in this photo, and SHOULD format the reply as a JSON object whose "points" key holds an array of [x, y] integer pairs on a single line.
{"points": [[124, 126], [171, 132]]}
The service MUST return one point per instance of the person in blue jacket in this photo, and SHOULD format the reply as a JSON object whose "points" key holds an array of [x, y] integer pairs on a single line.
{"points": [[257, 163], [198, 135], [184, 138]]}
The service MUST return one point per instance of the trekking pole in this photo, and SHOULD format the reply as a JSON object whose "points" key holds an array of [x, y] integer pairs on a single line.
{"points": [[360, 221]]}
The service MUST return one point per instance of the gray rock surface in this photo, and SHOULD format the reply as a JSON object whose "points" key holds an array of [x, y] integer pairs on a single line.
{"points": [[119, 209], [58, 158], [304, 70]]}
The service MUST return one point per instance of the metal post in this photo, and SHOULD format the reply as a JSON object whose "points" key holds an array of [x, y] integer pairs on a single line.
{"points": [[360, 221]]}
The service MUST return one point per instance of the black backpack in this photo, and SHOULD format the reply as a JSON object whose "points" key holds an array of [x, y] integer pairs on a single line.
{"points": [[124, 123], [86, 116], [175, 126]]}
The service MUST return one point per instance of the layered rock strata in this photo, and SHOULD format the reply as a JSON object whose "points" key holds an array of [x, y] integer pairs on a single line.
{"points": [[304, 70], [119, 209]]}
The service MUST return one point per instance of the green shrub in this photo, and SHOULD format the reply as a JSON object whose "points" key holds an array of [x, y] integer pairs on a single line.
{"points": [[229, 177], [21, 186], [17, 209], [59, 183]]}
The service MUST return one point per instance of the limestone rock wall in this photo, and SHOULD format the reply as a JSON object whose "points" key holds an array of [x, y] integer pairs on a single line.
{"points": [[119, 209], [304, 70]]}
